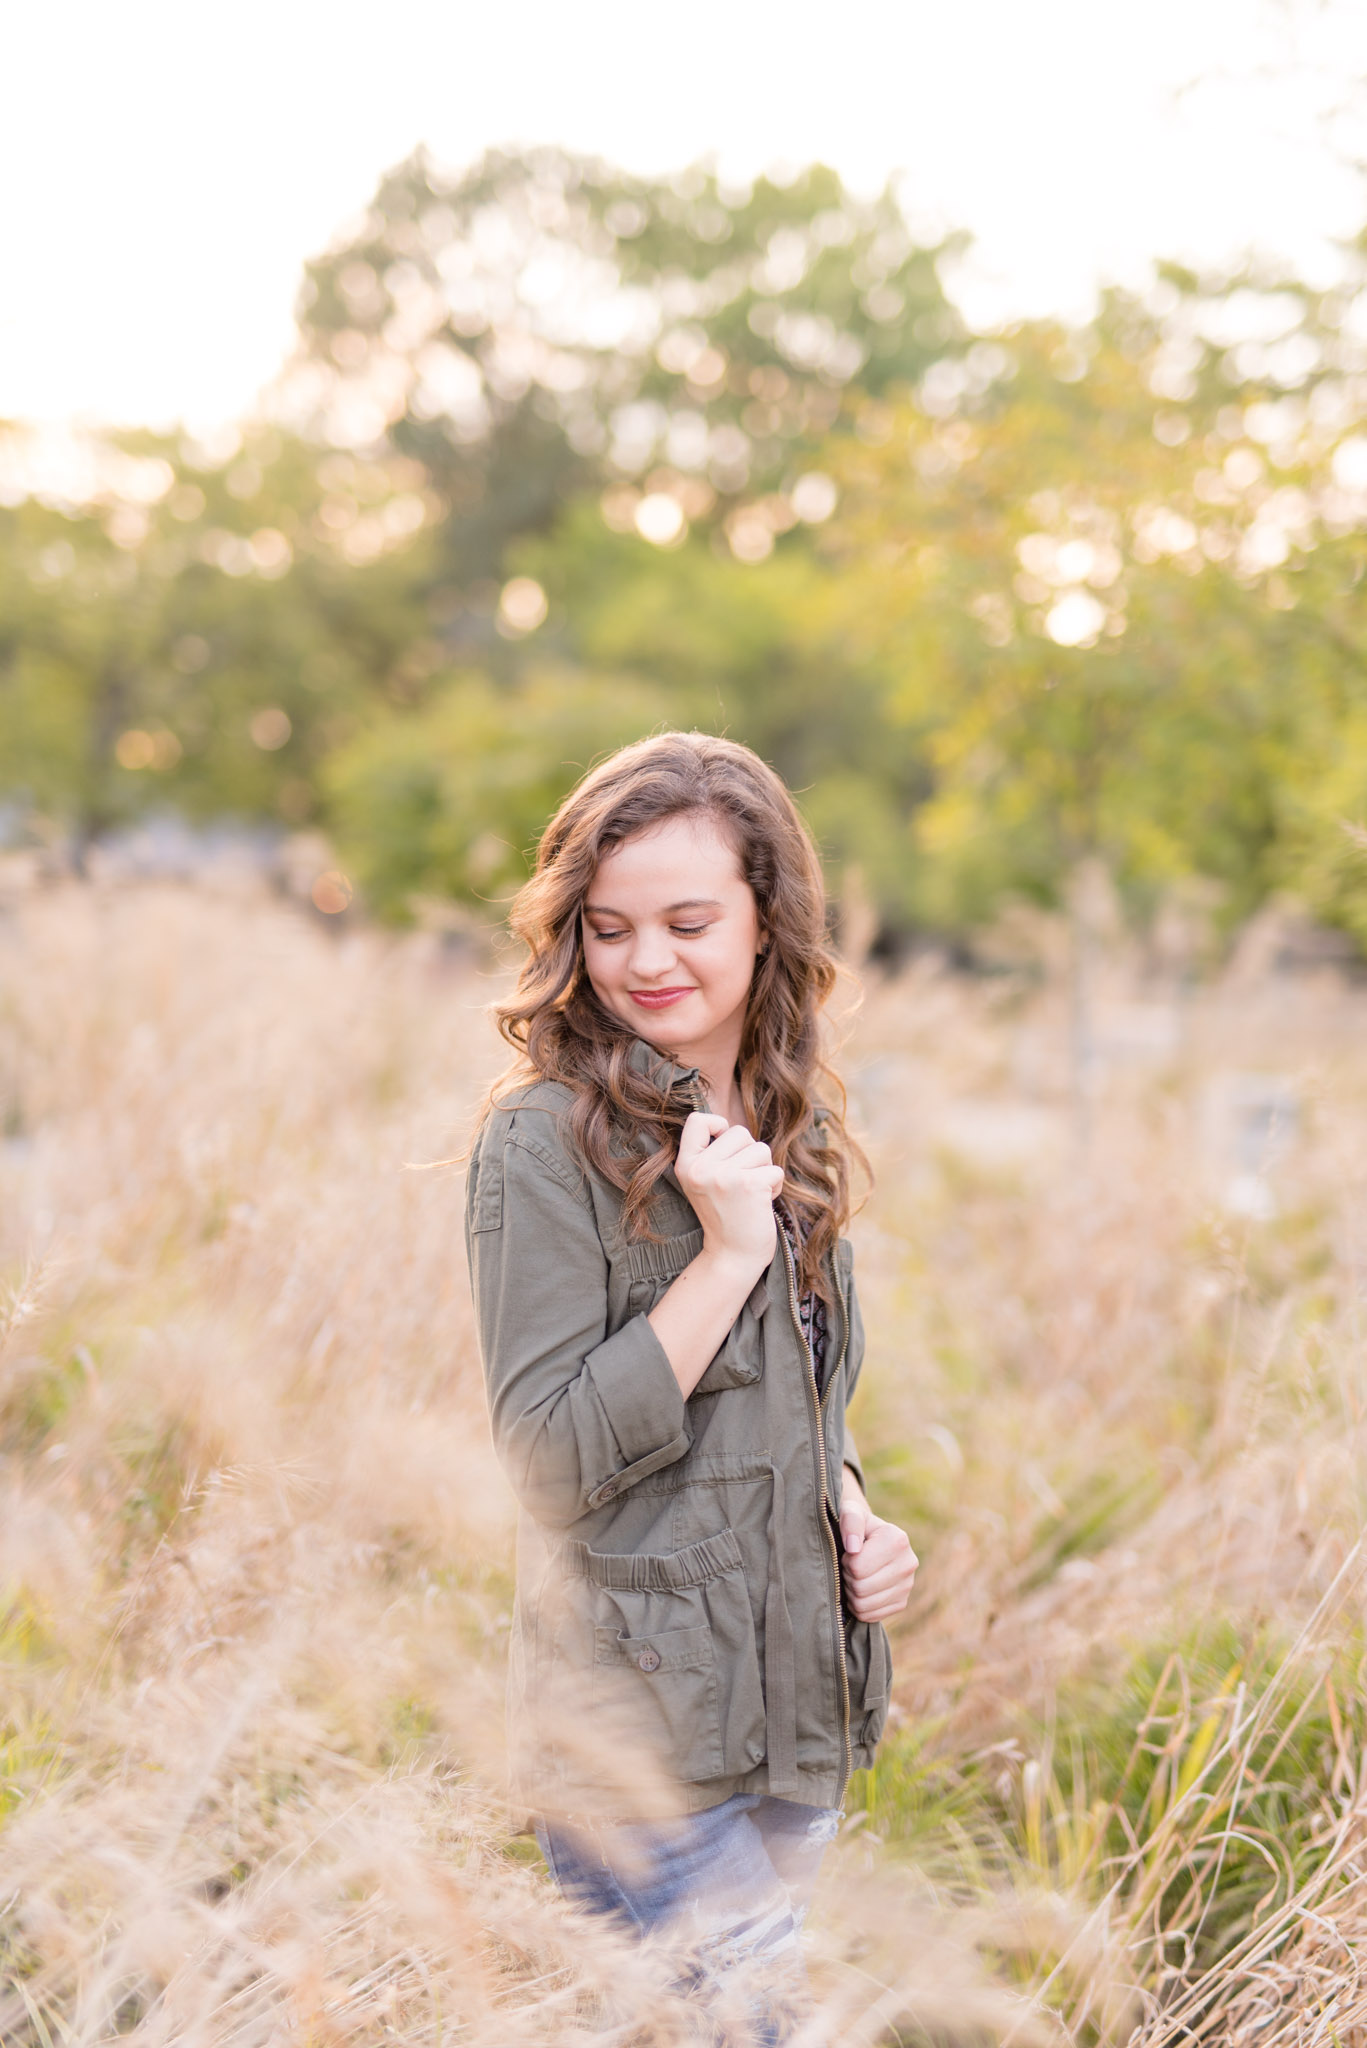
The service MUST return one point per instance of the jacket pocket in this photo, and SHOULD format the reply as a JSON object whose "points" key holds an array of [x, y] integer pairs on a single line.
{"points": [[675, 1664], [740, 1361], [868, 1666]]}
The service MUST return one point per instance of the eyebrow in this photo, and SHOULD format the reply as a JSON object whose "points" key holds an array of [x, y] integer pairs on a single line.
{"points": [[688, 903]]}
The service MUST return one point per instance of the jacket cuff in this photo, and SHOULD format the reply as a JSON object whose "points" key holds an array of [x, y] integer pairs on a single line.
{"points": [[643, 1404], [851, 1457]]}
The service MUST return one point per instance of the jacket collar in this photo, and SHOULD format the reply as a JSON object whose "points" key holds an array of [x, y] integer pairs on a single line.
{"points": [[658, 1067]]}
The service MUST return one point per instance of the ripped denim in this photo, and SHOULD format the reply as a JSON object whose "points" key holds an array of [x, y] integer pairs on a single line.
{"points": [[726, 1889]]}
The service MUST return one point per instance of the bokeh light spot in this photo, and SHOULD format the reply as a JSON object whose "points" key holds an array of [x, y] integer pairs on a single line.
{"points": [[1076, 560], [659, 519], [186, 501], [1076, 620], [522, 607], [134, 749], [137, 749], [271, 552], [750, 535], [270, 728], [1350, 463], [707, 371], [813, 497]]}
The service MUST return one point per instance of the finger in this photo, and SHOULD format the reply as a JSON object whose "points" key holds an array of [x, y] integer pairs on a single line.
{"points": [[881, 1585], [887, 1544], [871, 1569], [753, 1159], [874, 1556], [877, 1606], [878, 1558], [734, 1139], [750, 1151], [699, 1131], [880, 1610], [776, 1179], [851, 1531]]}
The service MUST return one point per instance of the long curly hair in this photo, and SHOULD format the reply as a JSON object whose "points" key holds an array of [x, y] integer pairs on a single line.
{"points": [[624, 1123]]}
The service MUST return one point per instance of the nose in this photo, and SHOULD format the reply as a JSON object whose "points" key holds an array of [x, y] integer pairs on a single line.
{"points": [[653, 953]]}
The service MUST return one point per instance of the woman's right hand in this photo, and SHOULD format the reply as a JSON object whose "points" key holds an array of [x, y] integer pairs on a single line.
{"points": [[731, 1180]]}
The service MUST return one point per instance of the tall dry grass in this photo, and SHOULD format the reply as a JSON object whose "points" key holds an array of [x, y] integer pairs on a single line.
{"points": [[255, 1554]]}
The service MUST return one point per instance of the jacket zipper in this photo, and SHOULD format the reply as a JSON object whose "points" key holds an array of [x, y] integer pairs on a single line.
{"points": [[817, 1410]]}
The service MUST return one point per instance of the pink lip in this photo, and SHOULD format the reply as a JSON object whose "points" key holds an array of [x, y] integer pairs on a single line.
{"points": [[658, 998]]}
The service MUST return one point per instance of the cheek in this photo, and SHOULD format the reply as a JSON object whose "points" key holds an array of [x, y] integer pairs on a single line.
{"points": [[729, 973], [603, 966]]}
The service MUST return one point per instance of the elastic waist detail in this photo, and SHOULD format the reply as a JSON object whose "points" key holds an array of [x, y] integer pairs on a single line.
{"points": [[663, 1572]]}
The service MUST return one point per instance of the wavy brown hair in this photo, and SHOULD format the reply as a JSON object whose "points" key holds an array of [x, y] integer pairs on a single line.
{"points": [[561, 1032]]}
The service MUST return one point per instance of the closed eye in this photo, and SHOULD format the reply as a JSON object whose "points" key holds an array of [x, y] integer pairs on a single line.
{"points": [[684, 931]]}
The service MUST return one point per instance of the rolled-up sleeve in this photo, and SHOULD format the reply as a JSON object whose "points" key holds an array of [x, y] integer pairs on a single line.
{"points": [[578, 1416]]}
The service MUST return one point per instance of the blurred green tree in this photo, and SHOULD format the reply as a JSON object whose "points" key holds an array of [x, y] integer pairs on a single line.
{"points": [[208, 629], [570, 454], [76, 623], [1123, 624], [448, 802]]}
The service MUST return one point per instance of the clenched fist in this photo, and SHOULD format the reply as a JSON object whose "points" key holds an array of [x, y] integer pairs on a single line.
{"points": [[731, 1180], [879, 1566]]}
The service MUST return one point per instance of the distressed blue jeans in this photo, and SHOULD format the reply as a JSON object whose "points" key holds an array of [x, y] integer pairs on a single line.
{"points": [[728, 1887]]}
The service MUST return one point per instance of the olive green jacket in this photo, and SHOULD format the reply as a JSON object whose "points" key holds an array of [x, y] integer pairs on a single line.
{"points": [[679, 1634]]}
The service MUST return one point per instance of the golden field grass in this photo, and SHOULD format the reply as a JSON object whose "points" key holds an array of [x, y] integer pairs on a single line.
{"points": [[255, 1555]]}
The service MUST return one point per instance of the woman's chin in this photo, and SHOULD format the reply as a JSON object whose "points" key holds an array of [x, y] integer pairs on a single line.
{"points": [[659, 1028]]}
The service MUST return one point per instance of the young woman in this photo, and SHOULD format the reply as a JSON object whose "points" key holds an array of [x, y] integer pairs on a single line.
{"points": [[670, 1335]]}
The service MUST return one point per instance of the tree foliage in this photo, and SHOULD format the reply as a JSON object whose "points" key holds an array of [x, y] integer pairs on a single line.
{"points": [[565, 455], [517, 327]]}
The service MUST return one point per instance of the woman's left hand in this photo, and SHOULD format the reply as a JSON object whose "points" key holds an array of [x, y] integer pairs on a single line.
{"points": [[879, 1566]]}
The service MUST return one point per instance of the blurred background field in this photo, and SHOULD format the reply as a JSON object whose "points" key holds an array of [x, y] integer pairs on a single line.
{"points": [[257, 1554], [1054, 616]]}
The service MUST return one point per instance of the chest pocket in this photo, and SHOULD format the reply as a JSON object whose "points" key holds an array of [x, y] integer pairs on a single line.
{"points": [[653, 1267]]}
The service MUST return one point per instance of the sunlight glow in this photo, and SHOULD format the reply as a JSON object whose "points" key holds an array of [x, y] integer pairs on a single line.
{"points": [[659, 519], [522, 607], [1076, 620]]}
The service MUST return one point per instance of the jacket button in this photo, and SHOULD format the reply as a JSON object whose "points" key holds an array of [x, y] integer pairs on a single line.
{"points": [[649, 1659], [608, 1490]]}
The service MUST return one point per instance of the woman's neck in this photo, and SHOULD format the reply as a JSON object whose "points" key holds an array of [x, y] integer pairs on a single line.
{"points": [[721, 1089], [724, 1101], [716, 1059]]}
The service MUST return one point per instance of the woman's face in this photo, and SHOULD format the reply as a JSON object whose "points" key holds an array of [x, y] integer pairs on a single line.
{"points": [[671, 933]]}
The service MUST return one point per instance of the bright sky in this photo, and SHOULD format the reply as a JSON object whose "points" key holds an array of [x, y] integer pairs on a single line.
{"points": [[168, 166]]}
